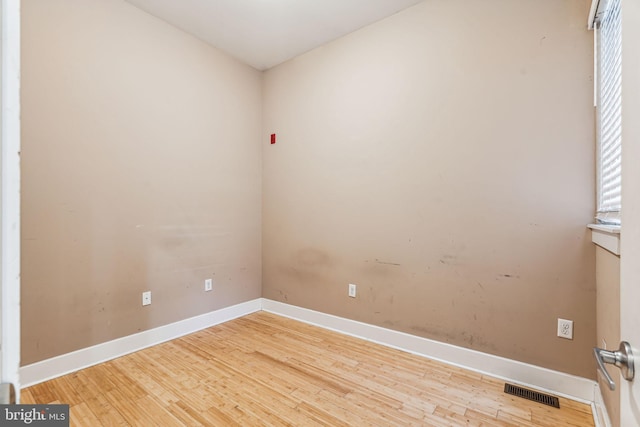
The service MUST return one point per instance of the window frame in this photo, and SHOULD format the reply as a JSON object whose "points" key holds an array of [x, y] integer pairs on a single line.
{"points": [[607, 101]]}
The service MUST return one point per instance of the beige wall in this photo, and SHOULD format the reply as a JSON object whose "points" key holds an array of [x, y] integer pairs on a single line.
{"points": [[442, 160], [141, 171], [608, 322]]}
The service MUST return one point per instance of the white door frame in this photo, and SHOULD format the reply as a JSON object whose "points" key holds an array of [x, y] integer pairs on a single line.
{"points": [[10, 195], [630, 236]]}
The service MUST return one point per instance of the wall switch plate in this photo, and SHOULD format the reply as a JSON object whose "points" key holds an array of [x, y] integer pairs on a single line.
{"points": [[352, 290], [146, 298], [565, 329], [208, 284]]}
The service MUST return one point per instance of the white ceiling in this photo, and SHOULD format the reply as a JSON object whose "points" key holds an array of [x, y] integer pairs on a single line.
{"points": [[265, 33]]}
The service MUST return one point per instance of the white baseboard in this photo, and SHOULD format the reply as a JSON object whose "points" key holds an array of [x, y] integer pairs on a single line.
{"points": [[71, 362], [543, 379]]}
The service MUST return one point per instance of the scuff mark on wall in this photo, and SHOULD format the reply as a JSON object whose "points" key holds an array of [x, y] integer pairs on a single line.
{"points": [[448, 259], [283, 296], [387, 263], [312, 257], [455, 336]]}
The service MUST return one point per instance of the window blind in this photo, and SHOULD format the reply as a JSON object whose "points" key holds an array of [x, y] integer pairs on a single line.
{"points": [[609, 112]]}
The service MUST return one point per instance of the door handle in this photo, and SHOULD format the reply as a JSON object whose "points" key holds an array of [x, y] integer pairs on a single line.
{"points": [[622, 358]]}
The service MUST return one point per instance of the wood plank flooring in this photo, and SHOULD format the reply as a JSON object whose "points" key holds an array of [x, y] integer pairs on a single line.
{"points": [[263, 369]]}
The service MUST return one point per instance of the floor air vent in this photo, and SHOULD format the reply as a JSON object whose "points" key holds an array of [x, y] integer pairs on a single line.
{"points": [[536, 396]]}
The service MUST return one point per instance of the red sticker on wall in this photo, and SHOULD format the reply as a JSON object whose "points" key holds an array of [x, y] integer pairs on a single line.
{"points": [[273, 138]]}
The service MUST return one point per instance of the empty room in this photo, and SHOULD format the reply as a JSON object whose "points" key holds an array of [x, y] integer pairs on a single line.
{"points": [[336, 212]]}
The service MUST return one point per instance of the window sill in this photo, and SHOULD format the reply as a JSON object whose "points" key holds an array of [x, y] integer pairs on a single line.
{"points": [[606, 236]]}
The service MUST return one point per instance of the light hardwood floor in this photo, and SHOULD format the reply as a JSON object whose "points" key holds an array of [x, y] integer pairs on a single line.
{"points": [[264, 369]]}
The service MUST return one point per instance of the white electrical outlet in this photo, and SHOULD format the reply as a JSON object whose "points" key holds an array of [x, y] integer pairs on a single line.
{"points": [[565, 329], [146, 298], [208, 284], [352, 290]]}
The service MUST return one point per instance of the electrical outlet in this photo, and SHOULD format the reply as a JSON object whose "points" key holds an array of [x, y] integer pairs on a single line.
{"points": [[208, 284], [146, 298], [565, 329], [352, 290]]}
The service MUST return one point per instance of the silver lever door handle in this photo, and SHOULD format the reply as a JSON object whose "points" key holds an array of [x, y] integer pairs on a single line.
{"points": [[622, 358]]}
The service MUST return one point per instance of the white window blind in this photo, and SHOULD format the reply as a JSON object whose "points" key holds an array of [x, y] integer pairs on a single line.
{"points": [[609, 109]]}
